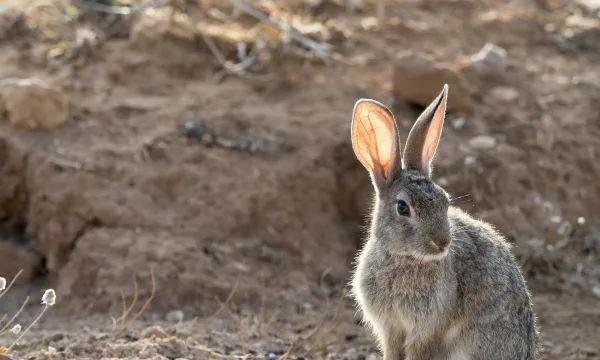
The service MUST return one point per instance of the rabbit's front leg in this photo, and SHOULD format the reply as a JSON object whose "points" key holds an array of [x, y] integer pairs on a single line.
{"points": [[393, 344], [422, 351]]}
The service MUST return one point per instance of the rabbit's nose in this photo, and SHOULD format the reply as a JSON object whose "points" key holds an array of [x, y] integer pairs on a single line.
{"points": [[441, 242]]}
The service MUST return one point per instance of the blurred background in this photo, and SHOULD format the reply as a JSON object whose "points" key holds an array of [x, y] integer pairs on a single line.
{"points": [[180, 171]]}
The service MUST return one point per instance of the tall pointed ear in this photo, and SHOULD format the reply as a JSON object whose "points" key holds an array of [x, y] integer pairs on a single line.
{"points": [[425, 135], [375, 140]]}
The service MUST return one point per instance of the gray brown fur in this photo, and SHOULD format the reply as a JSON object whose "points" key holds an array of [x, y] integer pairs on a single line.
{"points": [[469, 304]]}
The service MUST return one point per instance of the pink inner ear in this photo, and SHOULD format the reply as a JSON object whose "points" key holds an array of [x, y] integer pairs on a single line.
{"points": [[373, 137], [434, 132]]}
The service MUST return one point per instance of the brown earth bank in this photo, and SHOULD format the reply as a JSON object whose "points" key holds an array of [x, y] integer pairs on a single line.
{"points": [[238, 191]]}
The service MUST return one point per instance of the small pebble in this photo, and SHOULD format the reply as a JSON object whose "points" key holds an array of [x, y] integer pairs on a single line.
{"points": [[505, 93], [482, 142], [596, 290], [459, 122], [556, 219], [470, 160], [274, 354], [175, 316], [154, 332], [194, 129], [490, 58]]}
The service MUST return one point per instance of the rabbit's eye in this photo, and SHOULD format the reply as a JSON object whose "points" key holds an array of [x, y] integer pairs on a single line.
{"points": [[403, 208]]}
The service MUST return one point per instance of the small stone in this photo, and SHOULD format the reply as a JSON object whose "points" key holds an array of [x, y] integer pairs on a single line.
{"points": [[470, 160], [490, 58], [175, 316], [564, 228], [459, 122], [241, 267], [505, 93], [482, 142], [194, 129], [369, 23], [581, 220], [32, 104], [596, 290], [154, 331], [372, 356], [556, 219], [273, 354], [548, 344]]}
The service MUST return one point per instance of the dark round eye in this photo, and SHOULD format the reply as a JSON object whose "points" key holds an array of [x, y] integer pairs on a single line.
{"points": [[403, 208]]}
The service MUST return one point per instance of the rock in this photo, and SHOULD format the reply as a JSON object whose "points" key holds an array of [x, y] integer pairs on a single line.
{"points": [[482, 142], [419, 79], [32, 104], [505, 93], [194, 129], [175, 316], [154, 331], [490, 59]]}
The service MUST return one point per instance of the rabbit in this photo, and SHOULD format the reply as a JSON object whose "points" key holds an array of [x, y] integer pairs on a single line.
{"points": [[431, 281]]}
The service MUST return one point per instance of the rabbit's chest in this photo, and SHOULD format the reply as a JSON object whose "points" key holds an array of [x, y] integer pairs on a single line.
{"points": [[412, 298]]}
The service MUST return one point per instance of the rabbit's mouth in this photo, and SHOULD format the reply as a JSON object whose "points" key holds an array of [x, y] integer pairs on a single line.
{"points": [[431, 257]]}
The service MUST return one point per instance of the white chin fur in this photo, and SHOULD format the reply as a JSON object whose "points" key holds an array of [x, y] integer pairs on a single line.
{"points": [[431, 257]]}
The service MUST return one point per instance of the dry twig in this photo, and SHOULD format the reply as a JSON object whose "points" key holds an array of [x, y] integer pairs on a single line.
{"points": [[7, 325], [124, 318], [321, 50], [121, 10], [11, 283]]}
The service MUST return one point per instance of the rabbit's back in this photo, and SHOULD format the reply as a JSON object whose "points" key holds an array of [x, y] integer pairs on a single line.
{"points": [[492, 297]]}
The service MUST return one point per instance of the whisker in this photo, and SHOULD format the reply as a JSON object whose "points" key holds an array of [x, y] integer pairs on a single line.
{"points": [[459, 197]]}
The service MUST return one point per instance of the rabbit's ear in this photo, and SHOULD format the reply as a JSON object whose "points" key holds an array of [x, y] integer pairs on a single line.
{"points": [[375, 140], [425, 135]]}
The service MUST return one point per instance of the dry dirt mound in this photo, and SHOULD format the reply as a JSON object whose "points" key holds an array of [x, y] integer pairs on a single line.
{"points": [[247, 174], [173, 158]]}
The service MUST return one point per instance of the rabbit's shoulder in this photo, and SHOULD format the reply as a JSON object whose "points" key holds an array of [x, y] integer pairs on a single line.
{"points": [[485, 266]]}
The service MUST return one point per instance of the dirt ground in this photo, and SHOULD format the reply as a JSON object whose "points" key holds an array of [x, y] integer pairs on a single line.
{"points": [[236, 187]]}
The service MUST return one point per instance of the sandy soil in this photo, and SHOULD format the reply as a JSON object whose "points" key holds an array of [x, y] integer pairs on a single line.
{"points": [[242, 189]]}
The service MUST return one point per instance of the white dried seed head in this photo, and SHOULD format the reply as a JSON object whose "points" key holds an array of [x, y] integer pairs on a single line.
{"points": [[49, 297], [16, 329], [2, 283]]}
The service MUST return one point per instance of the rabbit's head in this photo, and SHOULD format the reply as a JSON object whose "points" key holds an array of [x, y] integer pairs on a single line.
{"points": [[411, 212]]}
